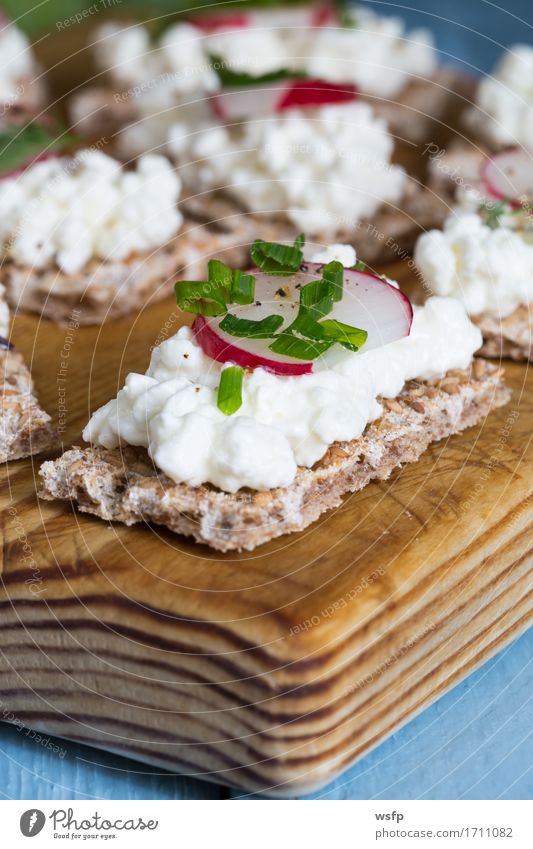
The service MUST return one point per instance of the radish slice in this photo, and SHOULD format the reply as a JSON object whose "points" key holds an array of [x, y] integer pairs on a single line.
{"points": [[368, 302], [509, 176], [254, 101], [318, 15]]}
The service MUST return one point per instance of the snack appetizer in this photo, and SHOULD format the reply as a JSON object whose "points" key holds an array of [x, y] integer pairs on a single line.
{"points": [[298, 382], [82, 231], [22, 91], [501, 118], [25, 428], [484, 254], [301, 155], [160, 79]]}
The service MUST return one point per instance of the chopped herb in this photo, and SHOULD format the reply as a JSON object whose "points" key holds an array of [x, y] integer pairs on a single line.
{"points": [[302, 349], [229, 397], [221, 276], [274, 258], [242, 288], [349, 337], [234, 79], [200, 297], [333, 273], [20, 145], [245, 327], [359, 266], [493, 212]]}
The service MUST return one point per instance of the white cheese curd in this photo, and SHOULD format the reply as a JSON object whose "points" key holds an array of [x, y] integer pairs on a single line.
{"points": [[17, 65], [504, 113], [68, 211], [177, 60], [166, 81], [376, 54], [4, 314], [326, 168], [344, 254], [488, 270], [284, 422]]}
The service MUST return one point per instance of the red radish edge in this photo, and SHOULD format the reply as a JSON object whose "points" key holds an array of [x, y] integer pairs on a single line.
{"points": [[307, 93], [491, 191], [216, 348], [215, 23], [222, 351]]}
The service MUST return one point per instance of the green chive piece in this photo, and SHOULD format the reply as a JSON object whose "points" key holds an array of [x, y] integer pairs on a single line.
{"points": [[264, 329], [242, 288], [220, 275], [230, 78], [301, 349], [274, 258], [333, 273], [229, 397], [20, 145], [200, 297], [359, 266], [316, 298], [349, 337]]}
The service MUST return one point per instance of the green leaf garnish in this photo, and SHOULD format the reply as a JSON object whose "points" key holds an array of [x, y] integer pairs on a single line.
{"points": [[302, 349], [493, 212], [359, 266], [349, 337], [244, 327], [273, 258], [200, 297], [333, 273], [242, 288], [229, 397], [220, 275], [19, 145], [234, 79]]}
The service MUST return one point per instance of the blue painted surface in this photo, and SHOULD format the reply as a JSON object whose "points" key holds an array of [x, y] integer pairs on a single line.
{"points": [[474, 743]]}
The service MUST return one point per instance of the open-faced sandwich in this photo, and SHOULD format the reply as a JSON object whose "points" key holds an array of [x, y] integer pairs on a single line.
{"points": [[484, 254], [298, 382], [25, 428], [156, 80], [500, 118], [80, 230]]}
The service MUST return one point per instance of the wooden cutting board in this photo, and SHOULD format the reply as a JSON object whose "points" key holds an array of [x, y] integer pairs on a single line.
{"points": [[270, 671]]}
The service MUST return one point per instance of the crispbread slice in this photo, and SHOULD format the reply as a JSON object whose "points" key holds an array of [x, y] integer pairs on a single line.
{"points": [[426, 108], [102, 291], [123, 484], [511, 336], [389, 236], [25, 428]]}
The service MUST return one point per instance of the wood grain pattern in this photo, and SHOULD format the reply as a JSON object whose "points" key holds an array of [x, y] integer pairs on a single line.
{"points": [[272, 671]]}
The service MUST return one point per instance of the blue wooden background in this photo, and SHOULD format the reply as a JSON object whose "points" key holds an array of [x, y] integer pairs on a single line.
{"points": [[475, 742]]}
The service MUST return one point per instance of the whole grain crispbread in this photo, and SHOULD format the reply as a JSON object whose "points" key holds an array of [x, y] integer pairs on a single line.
{"points": [[511, 336], [102, 291], [123, 484]]}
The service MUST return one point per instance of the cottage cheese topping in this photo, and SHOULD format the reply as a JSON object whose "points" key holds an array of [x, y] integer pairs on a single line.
{"points": [[177, 63], [505, 101], [377, 55], [70, 210], [284, 422], [4, 314], [490, 271], [16, 62], [325, 168]]}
